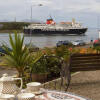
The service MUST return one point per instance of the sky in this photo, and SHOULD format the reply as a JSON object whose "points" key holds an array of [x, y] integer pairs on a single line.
{"points": [[86, 12]]}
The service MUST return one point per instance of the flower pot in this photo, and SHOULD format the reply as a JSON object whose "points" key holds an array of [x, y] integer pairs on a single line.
{"points": [[39, 77]]}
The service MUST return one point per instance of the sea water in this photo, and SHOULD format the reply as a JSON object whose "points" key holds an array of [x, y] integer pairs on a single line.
{"points": [[51, 40]]}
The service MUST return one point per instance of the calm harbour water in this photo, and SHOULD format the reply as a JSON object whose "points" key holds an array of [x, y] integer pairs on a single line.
{"points": [[51, 40]]}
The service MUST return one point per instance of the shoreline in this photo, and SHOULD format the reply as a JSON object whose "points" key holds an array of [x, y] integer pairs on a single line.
{"points": [[9, 31]]}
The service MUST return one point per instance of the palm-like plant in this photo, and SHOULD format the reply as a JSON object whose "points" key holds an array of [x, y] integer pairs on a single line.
{"points": [[19, 57]]}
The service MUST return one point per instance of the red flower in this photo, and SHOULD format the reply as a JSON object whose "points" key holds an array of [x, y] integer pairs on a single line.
{"points": [[70, 49]]}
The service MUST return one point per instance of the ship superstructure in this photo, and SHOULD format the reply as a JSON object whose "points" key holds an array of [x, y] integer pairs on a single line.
{"points": [[50, 27]]}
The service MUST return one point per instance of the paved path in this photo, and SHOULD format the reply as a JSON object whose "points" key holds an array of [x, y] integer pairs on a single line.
{"points": [[86, 84]]}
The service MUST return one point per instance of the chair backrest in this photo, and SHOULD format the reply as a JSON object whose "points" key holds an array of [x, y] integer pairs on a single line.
{"points": [[84, 62]]}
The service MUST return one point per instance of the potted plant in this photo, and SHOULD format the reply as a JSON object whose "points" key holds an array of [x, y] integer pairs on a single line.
{"points": [[39, 70], [19, 57]]}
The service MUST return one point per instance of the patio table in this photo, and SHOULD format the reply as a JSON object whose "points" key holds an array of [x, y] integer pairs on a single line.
{"points": [[58, 95]]}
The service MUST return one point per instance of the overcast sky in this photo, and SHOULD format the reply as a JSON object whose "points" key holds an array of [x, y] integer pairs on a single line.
{"points": [[84, 11]]}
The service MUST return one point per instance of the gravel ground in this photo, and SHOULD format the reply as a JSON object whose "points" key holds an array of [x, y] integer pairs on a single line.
{"points": [[86, 84]]}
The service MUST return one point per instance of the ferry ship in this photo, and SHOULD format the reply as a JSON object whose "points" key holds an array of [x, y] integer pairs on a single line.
{"points": [[50, 27]]}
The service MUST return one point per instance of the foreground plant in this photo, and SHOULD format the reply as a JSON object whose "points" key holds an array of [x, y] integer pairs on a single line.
{"points": [[20, 57]]}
